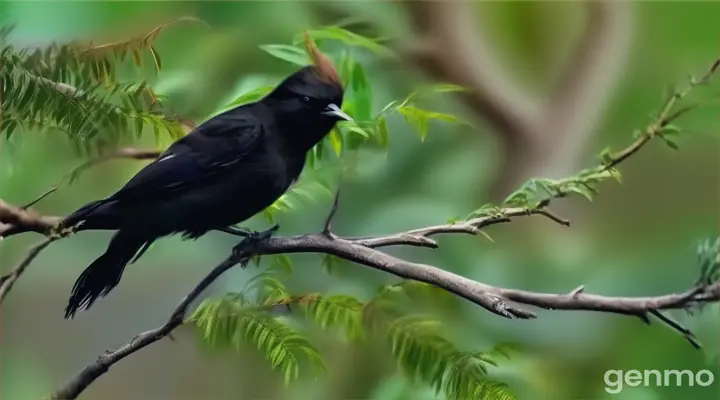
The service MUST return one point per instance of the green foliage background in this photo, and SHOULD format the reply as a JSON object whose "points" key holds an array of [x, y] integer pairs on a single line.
{"points": [[636, 238]]}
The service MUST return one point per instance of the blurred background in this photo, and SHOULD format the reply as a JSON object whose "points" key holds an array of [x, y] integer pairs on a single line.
{"points": [[551, 84]]}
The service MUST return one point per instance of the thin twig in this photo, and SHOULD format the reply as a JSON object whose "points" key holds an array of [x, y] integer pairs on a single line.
{"points": [[331, 214], [663, 119], [687, 333], [126, 152], [39, 198], [7, 281]]}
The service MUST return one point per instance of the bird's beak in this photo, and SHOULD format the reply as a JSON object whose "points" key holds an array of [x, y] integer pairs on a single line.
{"points": [[335, 111]]}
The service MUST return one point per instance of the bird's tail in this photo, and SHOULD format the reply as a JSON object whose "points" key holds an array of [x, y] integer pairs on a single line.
{"points": [[104, 274]]}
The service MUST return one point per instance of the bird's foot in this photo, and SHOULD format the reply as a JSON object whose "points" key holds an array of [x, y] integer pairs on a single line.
{"points": [[244, 248], [59, 231], [237, 231]]}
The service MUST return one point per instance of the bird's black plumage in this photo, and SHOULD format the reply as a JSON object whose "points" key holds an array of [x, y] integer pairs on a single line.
{"points": [[227, 170]]}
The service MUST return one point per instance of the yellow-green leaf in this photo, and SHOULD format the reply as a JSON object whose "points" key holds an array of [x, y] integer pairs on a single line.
{"points": [[347, 37], [361, 93], [287, 53], [156, 58], [251, 96], [383, 137], [137, 57], [336, 142]]}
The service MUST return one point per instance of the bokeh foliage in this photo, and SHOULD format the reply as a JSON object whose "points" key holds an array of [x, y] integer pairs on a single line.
{"points": [[632, 240]]}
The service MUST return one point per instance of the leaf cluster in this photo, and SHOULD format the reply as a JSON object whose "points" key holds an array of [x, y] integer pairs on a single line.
{"points": [[75, 88], [416, 341]]}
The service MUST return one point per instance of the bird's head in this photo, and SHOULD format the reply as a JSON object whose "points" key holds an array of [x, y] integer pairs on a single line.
{"points": [[311, 98]]}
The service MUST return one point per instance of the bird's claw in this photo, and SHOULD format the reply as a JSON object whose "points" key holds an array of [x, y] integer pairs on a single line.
{"points": [[60, 231], [237, 231], [253, 238], [263, 235]]}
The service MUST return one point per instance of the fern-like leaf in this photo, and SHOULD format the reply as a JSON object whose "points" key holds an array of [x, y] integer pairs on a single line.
{"points": [[335, 311], [423, 352], [228, 322], [56, 92]]}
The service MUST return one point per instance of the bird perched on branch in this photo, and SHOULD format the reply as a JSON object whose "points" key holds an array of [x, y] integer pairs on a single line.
{"points": [[225, 171]]}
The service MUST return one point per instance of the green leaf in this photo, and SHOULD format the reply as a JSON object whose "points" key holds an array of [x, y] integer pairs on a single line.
{"points": [[383, 136], [136, 57], [358, 130], [304, 190], [281, 262], [329, 263], [581, 190], [292, 54], [606, 156], [99, 115], [251, 96], [420, 118], [487, 236], [346, 67], [671, 141], [320, 150], [443, 117], [347, 37], [336, 311], [519, 198], [390, 106], [138, 126], [433, 89], [156, 58], [422, 352], [336, 141], [9, 127], [443, 88], [228, 322], [416, 118], [362, 93], [670, 130], [615, 173]]}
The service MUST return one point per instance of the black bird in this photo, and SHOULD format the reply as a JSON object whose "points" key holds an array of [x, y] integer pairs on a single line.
{"points": [[225, 171]]}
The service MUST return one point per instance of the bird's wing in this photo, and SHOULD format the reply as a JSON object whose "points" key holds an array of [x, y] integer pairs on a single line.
{"points": [[213, 147]]}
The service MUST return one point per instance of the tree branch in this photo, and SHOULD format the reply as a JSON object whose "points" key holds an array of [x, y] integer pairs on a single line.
{"points": [[14, 220], [493, 299], [421, 237]]}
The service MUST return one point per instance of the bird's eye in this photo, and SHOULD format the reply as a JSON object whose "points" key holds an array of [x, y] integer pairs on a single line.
{"points": [[306, 99]]}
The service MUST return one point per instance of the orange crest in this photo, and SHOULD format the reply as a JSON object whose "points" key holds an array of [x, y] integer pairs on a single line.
{"points": [[323, 66]]}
